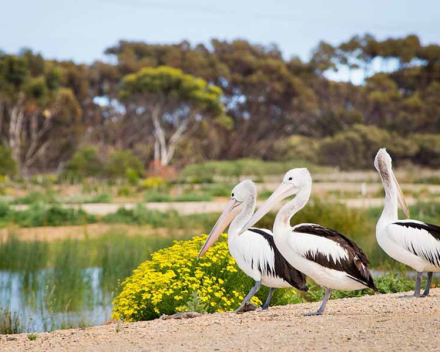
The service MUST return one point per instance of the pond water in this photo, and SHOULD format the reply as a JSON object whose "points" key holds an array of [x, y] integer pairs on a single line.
{"points": [[69, 283], [40, 303]]}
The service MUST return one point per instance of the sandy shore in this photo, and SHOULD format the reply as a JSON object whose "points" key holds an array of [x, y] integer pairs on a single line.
{"points": [[373, 323]]}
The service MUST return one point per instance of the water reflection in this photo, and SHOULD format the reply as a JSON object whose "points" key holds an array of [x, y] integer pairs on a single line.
{"points": [[45, 301]]}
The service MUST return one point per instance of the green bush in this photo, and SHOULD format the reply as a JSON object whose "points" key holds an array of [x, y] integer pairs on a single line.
{"points": [[155, 183], [84, 163], [428, 149], [175, 281], [37, 197], [123, 164], [297, 147], [8, 166], [39, 214], [356, 148]]}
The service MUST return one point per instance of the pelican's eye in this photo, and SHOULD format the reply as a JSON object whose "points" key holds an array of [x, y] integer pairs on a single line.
{"points": [[232, 195], [290, 178]]}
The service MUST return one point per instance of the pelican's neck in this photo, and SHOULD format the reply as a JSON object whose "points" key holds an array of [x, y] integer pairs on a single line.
{"points": [[241, 219], [389, 213], [282, 220]]}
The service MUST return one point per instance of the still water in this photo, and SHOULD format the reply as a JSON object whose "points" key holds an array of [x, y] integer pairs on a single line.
{"points": [[42, 304]]}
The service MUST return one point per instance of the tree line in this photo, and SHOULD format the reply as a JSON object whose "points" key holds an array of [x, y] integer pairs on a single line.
{"points": [[182, 103]]}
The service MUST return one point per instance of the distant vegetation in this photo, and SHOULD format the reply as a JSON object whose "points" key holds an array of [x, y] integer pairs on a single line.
{"points": [[181, 104]]}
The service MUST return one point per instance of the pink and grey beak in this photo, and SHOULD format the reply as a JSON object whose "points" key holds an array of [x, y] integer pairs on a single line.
{"points": [[223, 221], [283, 191], [400, 196]]}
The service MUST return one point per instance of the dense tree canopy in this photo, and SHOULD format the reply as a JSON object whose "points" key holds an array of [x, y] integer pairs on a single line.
{"points": [[233, 99]]}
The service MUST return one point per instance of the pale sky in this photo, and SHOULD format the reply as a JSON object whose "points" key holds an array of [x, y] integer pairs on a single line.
{"points": [[81, 29]]}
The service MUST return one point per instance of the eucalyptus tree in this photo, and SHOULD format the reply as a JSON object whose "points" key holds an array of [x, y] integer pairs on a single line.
{"points": [[32, 106], [172, 102]]}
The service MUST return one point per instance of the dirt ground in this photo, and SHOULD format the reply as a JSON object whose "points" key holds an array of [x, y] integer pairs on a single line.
{"points": [[371, 323]]}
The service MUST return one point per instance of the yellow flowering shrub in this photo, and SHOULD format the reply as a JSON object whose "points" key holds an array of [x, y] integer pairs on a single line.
{"points": [[167, 282]]}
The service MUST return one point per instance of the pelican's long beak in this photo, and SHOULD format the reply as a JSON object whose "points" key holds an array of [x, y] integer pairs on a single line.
{"points": [[283, 191], [400, 197], [223, 221]]}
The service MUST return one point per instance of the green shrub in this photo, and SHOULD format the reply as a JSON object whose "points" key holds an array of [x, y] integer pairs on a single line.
{"points": [[84, 163], [8, 166], [356, 148], [297, 147], [37, 197], [39, 214], [170, 281], [155, 183], [428, 149], [123, 164]]}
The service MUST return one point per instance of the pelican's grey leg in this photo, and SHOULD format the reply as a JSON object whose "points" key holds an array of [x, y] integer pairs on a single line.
{"points": [[269, 297], [418, 285], [251, 293], [428, 284], [328, 292]]}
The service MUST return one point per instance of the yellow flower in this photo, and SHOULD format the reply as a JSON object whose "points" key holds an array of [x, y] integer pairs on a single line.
{"points": [[166, 283]]}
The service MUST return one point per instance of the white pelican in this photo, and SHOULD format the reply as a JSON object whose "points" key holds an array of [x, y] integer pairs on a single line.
{"points": [[329, 258], [411, 242], [254, 250]]}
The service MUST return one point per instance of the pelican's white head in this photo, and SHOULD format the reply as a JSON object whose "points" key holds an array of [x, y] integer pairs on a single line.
{"points": [[294, 181], [243, 197], [383, 164], [383, 161]]}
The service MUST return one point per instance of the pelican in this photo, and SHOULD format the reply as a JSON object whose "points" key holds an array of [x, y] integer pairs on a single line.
{"points": [[328, 257], [411, 242], [254, 250]]}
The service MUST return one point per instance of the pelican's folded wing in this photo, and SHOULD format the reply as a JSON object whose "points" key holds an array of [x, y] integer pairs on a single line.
{"points": [[417, 237]]}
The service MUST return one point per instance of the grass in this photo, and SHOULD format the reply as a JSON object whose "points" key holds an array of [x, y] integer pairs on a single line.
{"points": [[32, 337], [160, 197], [39, 214], [9, 323], [56, 280], [232, 170]]}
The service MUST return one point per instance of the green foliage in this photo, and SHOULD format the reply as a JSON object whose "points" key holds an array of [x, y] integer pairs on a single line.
{"points": [[297, 147], [155, 183], [166, 283], [39, 214], [155, 196], [387, 283], [8, 166], [195, 304], [357, 147], [32, 337], [84, 163], [428, 149], [208, 171], [37, 197], [56, 277], [123, 164], [175, 85]]}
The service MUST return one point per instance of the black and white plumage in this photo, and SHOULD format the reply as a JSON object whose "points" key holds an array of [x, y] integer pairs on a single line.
{"points": [[328, 257], [254, 250], [411, 242], [277, 266]]}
